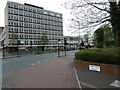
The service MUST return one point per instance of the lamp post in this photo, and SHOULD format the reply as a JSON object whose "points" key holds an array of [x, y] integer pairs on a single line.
{"points": [[82, 44], [65, 43], [18, 43], [2, 43], [31, 46], [78, 22], [58, 48]]}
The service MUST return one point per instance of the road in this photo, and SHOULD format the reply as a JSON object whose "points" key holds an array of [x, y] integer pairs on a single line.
{"points": [[14, 64]]}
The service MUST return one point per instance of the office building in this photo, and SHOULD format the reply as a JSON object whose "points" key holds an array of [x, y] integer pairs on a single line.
{"points": [[28, 22]]}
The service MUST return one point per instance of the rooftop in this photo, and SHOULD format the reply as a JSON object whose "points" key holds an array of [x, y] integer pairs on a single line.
{"points": [[33, 6]]}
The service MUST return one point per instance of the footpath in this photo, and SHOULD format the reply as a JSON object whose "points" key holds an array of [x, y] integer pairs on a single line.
{"points": [[59, 73], [51, 73]]}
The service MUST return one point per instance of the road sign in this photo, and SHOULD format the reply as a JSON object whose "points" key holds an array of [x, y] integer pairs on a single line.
{"points": [[94, 68]]}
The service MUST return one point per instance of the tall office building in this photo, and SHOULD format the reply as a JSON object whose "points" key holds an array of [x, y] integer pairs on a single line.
{"points": [[28, 22]]}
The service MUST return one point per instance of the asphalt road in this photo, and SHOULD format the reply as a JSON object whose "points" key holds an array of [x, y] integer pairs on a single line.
{"points": [[14, 64]]}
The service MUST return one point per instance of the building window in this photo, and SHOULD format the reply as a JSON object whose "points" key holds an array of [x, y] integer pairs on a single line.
{"points": [[45, 12]]}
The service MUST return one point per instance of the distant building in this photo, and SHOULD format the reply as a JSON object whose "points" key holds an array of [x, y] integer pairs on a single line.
{"points": [[28, 22], [1, 35], [72, 42]]}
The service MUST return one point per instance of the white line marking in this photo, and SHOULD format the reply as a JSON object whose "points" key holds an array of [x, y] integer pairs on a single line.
{"points": [[32, 64], [38, 62], [77, 79], [116, 83]]}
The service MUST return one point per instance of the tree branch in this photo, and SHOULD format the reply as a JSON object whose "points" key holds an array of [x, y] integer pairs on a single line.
{"points": [[100, 8]]}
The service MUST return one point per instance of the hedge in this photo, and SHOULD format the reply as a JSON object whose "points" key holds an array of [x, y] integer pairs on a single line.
{"points": [[106, 55]]}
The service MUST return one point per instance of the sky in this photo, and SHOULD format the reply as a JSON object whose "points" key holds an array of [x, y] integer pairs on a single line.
{"points": [[52, 5]]}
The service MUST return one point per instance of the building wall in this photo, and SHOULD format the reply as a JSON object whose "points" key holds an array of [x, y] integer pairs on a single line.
{"points": [[28, 22], [72, 39], [1, 29], [72, 42]]}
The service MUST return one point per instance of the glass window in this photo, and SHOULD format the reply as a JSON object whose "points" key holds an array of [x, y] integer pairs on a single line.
{"points": [[58, 15], [21, 7], [45, 12], [25, 8], [10, 5], [15, 6]]}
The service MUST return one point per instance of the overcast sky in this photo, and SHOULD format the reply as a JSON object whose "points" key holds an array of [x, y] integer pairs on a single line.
{"points": [[52, 5]]}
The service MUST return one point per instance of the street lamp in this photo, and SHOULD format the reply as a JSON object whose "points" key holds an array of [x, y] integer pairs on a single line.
{"points": [[58, 48], [31, 46], [18, 43], [82, 44], [2, 43], [77, 21], [65, 43]]}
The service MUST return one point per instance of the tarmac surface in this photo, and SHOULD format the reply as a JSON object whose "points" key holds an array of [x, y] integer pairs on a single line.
{"points": [[59, 73]]}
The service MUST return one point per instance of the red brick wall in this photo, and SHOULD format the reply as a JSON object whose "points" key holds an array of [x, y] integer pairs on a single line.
{"points": [[104, 68]]}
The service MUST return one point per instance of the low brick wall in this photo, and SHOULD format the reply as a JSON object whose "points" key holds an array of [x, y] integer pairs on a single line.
{"points": [[104, 68]]}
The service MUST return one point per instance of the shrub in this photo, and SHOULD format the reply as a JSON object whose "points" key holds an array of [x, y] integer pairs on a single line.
{"points": [[99, 45], [38, 53], [106, 55]]}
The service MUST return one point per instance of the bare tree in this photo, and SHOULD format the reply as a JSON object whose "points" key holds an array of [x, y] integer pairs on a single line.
{"points": [[44, 40], [92, 13]]}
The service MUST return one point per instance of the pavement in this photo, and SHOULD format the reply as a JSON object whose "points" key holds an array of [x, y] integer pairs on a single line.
{"points": [[59, 73]]}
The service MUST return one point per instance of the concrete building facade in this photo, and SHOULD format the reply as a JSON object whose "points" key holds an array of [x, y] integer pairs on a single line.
{"points": [[28, 22], [1, 29], [72, 42]]}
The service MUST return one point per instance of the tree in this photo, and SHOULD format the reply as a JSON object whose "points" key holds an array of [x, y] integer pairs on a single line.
{"points": [[104, 36], [44, 40], [99, 38], [108, 36], [86, 38], [92, 13], [14, 39]]}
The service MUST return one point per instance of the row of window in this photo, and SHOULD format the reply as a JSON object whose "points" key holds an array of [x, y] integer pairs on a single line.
{"points": [[11, 11], [55, 35], [39, 42], [34, 26], [24, 36], [30, 9], [35, 21], [32, 36], [33, 31]]}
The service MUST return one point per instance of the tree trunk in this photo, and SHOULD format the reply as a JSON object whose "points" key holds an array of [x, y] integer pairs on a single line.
{"points": [[115, 21], [117, 38]]}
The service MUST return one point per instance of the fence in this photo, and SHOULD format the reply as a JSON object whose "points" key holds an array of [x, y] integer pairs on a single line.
{"points": [[14, 52]]}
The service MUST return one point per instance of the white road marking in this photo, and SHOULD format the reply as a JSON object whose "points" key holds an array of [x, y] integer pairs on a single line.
{"points": [[33, 64], [116, 83], [77, 79], [47, 58], [38, 62]]}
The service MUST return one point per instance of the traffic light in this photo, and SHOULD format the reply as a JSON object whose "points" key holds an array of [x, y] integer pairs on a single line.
{"points": [[58, 40], [82, 43], [30, 42], [18, 42], [65, 41]]}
